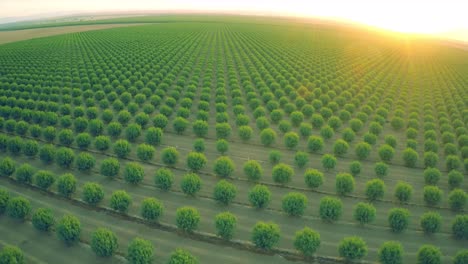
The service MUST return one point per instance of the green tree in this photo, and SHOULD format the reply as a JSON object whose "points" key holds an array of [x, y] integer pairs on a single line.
{"points": [[44, 179], [140, 251], [145, 152], [386, 153], [461, 257], [154, 136], [191, 184], [245, 133], [430, 222], [403, 191], [46, 154], [294, 203], [313, 178], [460, 226], [7, 167], [223, 167], [11, 254], [375, 189], [428, 254], [222, 146], [68, 229], [432, 195], [187, 218], [328, 162], [120, 201], [30, 148], [151, 209], [259, 196], [225, 224], [66, 184], [104, 242], [134, 173], [301, 159], [180, 124], [398, 219], [344, 183], [315, 144], [18, 208], [196, 161], [169, 156], [274, 156], [268, 136], [24, 173], [352, 248], [330, 208], [85, 162], [457, 199], [307, 241], [200, 128], [102, 143], [364, 213], [253, 170], [391, 252], [340, 147], [163, 179], [224, 192], [265, 235], [410, 157], [92, 193], [110, 167], [223, 130], [122, 148], [363, 150], [291, 139], [282, 173], [180, 256], [4, 198]]}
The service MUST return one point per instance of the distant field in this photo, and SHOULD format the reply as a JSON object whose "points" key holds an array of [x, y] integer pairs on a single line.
{"points": [[292, 97], [23, 34]]}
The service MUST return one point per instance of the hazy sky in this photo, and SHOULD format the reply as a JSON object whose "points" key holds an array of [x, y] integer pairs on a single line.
{"points": [[428, 16]]}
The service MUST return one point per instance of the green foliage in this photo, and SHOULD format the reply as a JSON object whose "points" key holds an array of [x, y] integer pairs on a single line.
{"points": [[104, 242], [196, 161], [223, 130], [83, 140], [24, 173], [431, 176], [430, 222], [398, 219], [245, 133], [355, 168], [66, 137], [122, 148], [253, 170], [222, 146], [460, 227], [191, 184], [461, 257], [18, 208], [102, 143], [381, 169], [64, 157], [11, 255], [352, 248], [265, 235], [362, 150], [307, 241], [315, 144], [68, 229], [44, 179], [301, 159], [163, 179], [92, 193], [30, 148], [200, 128], [455, 179], [344, 183], [140, 251], [153, 136], [432, 195], [151, 209], [410, 157], [7, 167], [391, 252], [428, 254], [294, 203], [291, 139], [268, 136], [120, 201], [452, 162], [282, 173], [85, 161], [328, 162], [259, 196], [386, 153], [223, 167], [169, 156], [330, 208], [375, 189], [457, 199], [274, 156], [340, 147], [313, 178], [134, 173], [180, 256], [187, 218], [110, 167], [145, 152], [364, 213], [4, 198], [430, 159], [66, 184], [403, 191], [225, 224], [224, 192]]}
